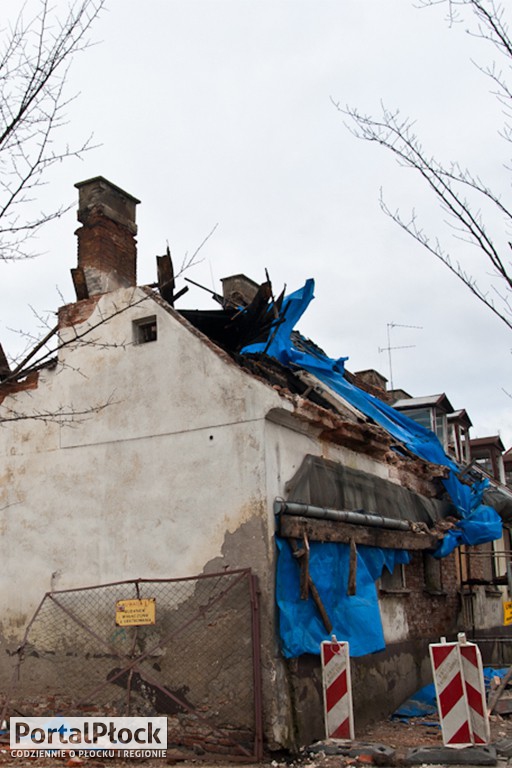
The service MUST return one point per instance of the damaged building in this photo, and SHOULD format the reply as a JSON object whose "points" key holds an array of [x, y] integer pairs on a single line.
{"points": [[158, 442]]}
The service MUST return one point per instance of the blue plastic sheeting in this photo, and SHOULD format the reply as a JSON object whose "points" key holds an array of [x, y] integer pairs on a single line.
{"points": [[478, 523], [490, 672], [423, 702], [355, 618]]}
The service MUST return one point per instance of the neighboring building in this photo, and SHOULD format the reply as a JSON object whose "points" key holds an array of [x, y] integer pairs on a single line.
{"points": [[165, 443], [485, 569], [507, 462], [459, 446], [430, 412], [487, 454]]}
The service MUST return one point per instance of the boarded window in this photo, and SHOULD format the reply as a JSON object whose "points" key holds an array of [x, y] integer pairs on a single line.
{"points": [[393, 582], [145, 330]]}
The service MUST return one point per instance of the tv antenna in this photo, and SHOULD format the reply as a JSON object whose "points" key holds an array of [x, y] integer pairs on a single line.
{"points": [[389, 348]]}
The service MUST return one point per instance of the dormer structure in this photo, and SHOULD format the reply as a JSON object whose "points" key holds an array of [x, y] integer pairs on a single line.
{"points": [[430, 411], [487, 453], [459, 425]]}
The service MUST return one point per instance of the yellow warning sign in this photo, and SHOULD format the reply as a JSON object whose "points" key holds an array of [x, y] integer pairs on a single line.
{"points": [[135, 613], [507, 613]]}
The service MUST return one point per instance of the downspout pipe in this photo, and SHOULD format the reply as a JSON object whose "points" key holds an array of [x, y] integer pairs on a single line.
{"points": [[356, 517]]}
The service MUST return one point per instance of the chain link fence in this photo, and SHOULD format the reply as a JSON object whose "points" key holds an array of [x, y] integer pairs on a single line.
{"points": [[198, 663]]}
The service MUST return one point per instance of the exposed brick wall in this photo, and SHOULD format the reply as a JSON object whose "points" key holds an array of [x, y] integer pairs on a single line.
{"points": [[476, 566], [430, 616], [73, 314], [11, 387], [105, 245], [371, 382]]}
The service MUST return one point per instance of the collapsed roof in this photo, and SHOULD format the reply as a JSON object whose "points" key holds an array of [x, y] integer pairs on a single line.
{"points": [[258, 331]]}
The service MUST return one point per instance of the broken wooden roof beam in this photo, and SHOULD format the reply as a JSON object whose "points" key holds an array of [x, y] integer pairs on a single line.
{"points": [[5, 369], [79, 283], [293, 527]]}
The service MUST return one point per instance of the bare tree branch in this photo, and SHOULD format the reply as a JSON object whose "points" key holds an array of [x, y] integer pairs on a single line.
{"points": [[64, 415], [456, 189], [190, 261], [35, 55]]}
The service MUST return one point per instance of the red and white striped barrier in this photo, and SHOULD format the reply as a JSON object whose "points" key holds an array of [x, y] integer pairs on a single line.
{"points": [[473, 674], [337, 689], [460, 691], [451, 696]]}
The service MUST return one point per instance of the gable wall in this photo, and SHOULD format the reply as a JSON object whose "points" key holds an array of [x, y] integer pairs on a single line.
{"points": [[148, 486]]}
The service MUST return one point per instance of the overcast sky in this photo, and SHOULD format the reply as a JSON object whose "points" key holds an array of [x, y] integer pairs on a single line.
{"points": [[220, 112]]}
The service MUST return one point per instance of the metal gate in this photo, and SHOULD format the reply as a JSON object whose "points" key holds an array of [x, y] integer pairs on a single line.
{"points": [[198, 663]]}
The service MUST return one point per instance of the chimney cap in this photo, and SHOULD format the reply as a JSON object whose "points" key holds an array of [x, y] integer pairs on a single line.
{"points": [[100, 195], [239, 289], [102, 179]]}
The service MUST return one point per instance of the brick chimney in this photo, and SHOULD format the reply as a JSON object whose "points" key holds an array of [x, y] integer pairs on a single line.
{"points": [[239, 290], [107, 249]]}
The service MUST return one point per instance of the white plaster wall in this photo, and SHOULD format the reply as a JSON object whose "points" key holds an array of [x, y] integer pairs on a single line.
{"points": [[287, 447], [487, 608], [147, 486], [500, 559], [394, 619]]}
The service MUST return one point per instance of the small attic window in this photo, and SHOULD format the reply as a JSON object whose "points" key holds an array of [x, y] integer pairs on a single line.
{"points": [[144, 330]]}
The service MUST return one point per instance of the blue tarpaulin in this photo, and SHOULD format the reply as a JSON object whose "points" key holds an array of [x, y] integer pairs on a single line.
{"points": [[354, 618], [424, 702], [357, 618]]}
